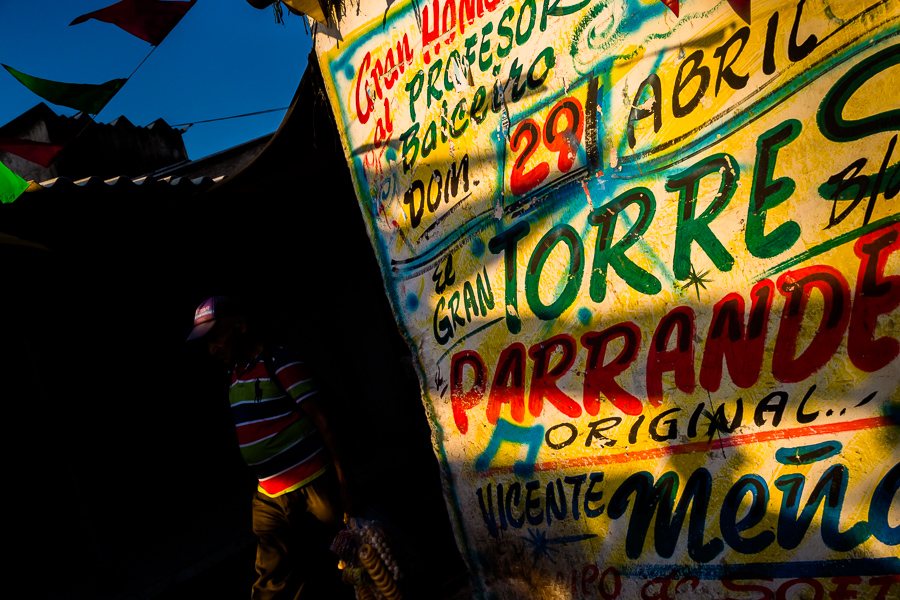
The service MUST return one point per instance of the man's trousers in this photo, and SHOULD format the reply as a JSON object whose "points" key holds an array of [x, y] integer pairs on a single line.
{"points": [[295, 531]]}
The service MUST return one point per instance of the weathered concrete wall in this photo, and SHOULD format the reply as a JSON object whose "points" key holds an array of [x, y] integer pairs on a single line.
{"points": [[648, 260]]}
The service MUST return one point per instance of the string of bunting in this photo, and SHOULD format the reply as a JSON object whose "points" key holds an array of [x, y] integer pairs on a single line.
{"points": [[148, 20]]}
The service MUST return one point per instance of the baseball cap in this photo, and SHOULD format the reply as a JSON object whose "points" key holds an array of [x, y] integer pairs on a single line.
{"points": [[217, 307]]}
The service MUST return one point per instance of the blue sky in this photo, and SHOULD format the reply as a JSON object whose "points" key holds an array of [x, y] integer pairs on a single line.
{"points": [[224, 58]]}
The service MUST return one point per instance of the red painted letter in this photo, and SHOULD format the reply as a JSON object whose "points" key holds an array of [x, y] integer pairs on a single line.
{"points": [[875, 295], [680, 359], [463, 401], [600, 377], [510, 366], [543, 378], [797, 286], [741, 348]]}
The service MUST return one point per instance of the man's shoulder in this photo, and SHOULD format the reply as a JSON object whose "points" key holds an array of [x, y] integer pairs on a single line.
{"points": [[290, 372], [281, 355]]}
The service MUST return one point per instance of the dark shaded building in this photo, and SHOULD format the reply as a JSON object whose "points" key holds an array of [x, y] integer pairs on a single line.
{"points": [[131, 481], [92, 149]]}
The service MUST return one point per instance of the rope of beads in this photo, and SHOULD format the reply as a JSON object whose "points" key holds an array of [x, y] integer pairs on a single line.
{"points": [[378, 571]]}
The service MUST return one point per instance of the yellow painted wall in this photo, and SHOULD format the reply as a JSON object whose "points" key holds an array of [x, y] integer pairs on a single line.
{"points": [[647, 258]]}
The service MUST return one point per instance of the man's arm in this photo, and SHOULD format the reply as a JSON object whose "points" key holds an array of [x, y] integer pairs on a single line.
{"points": [[295, 378], [313, 408]]}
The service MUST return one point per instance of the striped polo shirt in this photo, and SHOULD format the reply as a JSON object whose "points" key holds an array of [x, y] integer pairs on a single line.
{"points": [[278, 440]]}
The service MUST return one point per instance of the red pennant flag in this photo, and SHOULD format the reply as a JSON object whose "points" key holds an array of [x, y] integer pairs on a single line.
{"points": [[671, 5], [149, 20], [40, 153], [86, 97], [741, 8]]}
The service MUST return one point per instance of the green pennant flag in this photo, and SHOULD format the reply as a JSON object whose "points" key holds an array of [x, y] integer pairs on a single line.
{"points": [[11, 185], [86, 97]]}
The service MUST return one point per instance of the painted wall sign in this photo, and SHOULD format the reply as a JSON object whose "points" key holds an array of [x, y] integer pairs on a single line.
{"points": [[647, 257]]}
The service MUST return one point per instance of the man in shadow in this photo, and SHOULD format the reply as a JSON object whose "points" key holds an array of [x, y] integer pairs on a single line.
{"points": [[285, 438]]}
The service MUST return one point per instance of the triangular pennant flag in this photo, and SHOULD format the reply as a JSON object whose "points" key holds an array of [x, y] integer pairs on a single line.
{"points": [[40, 153], [11, 185], [742, 9], [671, 5], [149, 20], [86, 97]]}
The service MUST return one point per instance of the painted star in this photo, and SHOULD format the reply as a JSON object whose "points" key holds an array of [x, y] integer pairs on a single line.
{"points": [[541, 543], [696, 280]]}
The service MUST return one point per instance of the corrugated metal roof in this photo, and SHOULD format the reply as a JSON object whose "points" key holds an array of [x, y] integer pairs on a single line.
{"points": [[123, 182], [93, 148]]}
